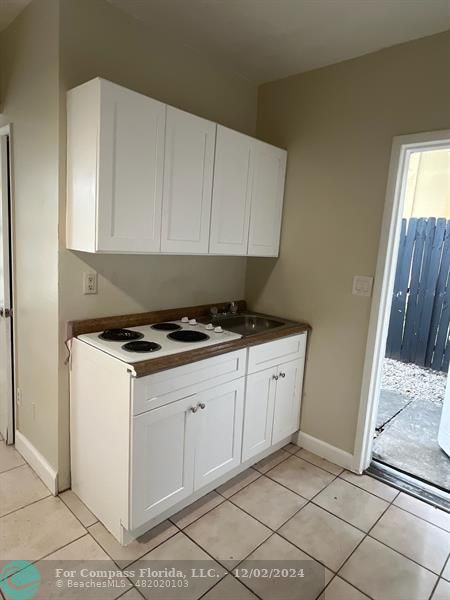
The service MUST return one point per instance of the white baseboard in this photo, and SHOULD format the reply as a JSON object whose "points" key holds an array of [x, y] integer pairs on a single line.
{"points": [[37, 462], [324, 450]]}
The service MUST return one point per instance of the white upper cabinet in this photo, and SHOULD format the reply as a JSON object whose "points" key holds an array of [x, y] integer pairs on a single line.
{"points": [[269, 169], [188, 176], [115, 169], [143, 177], [231, 193], [247, 196]]}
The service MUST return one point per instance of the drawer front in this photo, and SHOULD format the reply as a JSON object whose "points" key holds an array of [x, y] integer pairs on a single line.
{"points": [[156, 390], [271, 354]]}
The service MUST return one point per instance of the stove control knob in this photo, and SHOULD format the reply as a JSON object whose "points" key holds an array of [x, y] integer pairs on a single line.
{"points": [[192, 321], [209, 326], [218, 329], [185, 320]]}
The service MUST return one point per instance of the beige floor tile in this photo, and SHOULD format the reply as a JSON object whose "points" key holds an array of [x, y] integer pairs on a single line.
{"points": [[9, 458], [301, 477], [319, 462], [442, 591], [133, 594], [341, 590], [271, 461], [423, 510], [79, 509], [352, 504], [268, 502], [291, 448], [322, 535], [382, 573], [372, 485], [125, 555], [415, 538], [229, 589], [446, 571], [278, 553], [36, 530], [20, 487], [237, 483], [196, 510], [179, 552], [228, 533], [84, 553]]}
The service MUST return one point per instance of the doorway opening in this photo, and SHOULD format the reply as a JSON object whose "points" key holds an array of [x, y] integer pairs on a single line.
{"points": [[404, 424], [7, 405]]}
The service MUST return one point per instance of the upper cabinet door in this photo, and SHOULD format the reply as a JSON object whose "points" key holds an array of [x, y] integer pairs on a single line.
{"points": [[267, 199], [188, 175], [231, 193], [130, 170]]}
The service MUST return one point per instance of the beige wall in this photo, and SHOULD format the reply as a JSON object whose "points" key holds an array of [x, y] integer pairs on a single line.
{"points": [[337, 124], [29, 81], [99, 40], [52, 46]]}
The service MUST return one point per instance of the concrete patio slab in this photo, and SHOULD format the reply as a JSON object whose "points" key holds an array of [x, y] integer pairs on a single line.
{"points": [[410, 443]]}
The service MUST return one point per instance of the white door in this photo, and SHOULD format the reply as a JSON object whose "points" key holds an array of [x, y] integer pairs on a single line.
{"points": [[267, 199], [6, 385], [287, 400], [130, 171], [218, 448], [188, 174], [258, 413], [231, 193], [162, 459]]}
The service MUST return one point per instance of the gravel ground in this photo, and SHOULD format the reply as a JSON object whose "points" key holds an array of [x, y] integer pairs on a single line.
{"points": [[414, 382]]}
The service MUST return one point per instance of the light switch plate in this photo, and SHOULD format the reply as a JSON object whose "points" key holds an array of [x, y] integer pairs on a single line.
{"points": [[362, 286]]}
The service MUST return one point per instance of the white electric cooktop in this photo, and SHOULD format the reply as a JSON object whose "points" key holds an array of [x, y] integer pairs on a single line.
{"points": [[134, 344]]}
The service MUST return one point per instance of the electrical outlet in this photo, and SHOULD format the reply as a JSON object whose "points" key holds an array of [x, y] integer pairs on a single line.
{"points": [[19, 396], [89, 283]]}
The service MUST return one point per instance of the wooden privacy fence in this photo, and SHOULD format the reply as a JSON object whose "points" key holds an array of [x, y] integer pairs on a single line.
{"points": [[419, 323]]}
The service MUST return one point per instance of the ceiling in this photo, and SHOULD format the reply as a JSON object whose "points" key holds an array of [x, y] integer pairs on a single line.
{"points": [[270, 39], [9, 9]]}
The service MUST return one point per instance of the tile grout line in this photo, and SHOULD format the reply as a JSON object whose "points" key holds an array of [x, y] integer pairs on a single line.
{"points": [[45, 556], [19, 508], [134, 559], [76, 517], [385, 545], [17, 467]]}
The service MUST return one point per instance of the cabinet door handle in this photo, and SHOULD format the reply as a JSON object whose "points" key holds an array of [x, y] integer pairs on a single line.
{"points": [[275, 377], [282, 374], [202, 405], [194, 409]]}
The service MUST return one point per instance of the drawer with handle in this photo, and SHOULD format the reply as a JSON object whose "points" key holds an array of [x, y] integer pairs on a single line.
{"points": [[273, 353], [161, 388]]}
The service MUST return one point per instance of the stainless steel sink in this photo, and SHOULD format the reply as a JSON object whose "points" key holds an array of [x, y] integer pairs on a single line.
{"points": [[247, 324]]}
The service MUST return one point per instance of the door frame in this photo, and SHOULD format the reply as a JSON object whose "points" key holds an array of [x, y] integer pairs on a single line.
{"points": [[402, 147], [6, 130]]}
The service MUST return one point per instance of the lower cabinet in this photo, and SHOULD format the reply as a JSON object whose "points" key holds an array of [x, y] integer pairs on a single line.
{"points": [[162, 459], [258, 416], [219, 432], [180, 447], [286, 414], [272, 406]]}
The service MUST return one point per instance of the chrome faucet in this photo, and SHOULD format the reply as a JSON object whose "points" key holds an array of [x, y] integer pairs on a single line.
{"points": [[233, 308]]}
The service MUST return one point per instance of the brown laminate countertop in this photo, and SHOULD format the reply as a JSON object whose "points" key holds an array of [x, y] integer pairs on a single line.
{"points": [[154, 365]]}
